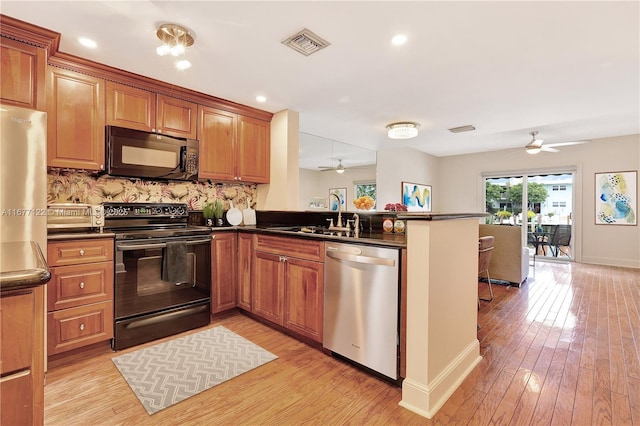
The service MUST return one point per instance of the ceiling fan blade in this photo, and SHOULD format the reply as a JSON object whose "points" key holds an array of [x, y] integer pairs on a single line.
{"points": [[567, 143], [547, 148]]}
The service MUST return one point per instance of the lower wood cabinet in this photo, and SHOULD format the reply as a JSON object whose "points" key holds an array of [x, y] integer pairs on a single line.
{"points": [[80, 293], [223, 271], [22, 357], [288, 283], [245, 268]]}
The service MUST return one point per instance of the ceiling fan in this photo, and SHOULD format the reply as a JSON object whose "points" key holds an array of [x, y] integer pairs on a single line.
{"points": [[536, 145], [339, 168]]}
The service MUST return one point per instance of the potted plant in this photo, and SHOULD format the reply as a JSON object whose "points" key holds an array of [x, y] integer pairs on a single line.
{"points": [[208, 212], [218, 211]]}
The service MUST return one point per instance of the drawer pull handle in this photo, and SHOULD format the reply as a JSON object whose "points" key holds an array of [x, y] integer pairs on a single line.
{"points": [[81, 252], [81, 326], [81, 285]]}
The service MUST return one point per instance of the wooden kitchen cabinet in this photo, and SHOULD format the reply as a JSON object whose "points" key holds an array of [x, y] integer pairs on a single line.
{"points": [[75, 120], [245, 256], [80, 293], [233, 147], [289, 280], [130, 107], [223, 271], [217, 138], [22, 75], [22, 357], [140, 109], [254, 155], [268, 289]]}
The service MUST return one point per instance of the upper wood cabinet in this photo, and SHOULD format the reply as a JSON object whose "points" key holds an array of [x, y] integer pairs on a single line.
{"points": [[22, 75], [176, 117], [130, 107], [253, 150], [75, 120], [217, 138], [233, 147], [140, 109]]}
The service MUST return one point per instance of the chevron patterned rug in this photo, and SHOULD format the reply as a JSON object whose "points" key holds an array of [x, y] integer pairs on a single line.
{"points": [[170, 372]]}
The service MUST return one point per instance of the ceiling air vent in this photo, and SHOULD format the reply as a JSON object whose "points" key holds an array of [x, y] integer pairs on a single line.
{"points": [[306, 42]]}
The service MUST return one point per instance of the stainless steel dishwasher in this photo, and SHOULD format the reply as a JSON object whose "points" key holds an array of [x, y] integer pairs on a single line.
{"points": [[361, 305]]}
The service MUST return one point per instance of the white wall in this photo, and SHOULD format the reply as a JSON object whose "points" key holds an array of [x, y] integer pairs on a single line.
{"points": [[461, 189], [281, 193], [406, 165]]}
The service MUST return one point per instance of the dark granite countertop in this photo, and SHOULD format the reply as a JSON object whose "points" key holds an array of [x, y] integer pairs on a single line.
{"points": [[22, 265], [370, 238], [78, 235], [438, 216]]}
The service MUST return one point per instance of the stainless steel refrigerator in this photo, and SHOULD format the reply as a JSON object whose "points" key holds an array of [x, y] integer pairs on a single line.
{"points": [[23, 176]]}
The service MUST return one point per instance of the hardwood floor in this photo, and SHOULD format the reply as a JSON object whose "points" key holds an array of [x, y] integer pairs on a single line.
{"points": [[562, 349]]}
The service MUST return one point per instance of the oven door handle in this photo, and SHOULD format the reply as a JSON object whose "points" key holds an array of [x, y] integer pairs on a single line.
{"points": [[126, 247]]}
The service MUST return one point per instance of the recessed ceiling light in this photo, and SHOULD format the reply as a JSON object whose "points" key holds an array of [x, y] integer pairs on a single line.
{"points": [[399, 39], [261, 98], [87, 42]]}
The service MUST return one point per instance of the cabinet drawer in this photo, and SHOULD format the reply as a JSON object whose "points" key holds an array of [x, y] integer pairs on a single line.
{"points": [[76, 285], [294, 247], [79, 251], [75, 327]]}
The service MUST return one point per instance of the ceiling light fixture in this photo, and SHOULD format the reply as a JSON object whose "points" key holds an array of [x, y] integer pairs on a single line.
{"points": [[340, 168], [403, 130], [175, 40], [399, 39]]}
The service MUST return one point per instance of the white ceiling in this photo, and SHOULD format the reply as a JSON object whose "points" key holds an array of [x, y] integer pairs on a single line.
{"points": [[570, 70]]}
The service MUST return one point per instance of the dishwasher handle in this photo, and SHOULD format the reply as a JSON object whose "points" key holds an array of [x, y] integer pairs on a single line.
{"points": [[361, 259]]}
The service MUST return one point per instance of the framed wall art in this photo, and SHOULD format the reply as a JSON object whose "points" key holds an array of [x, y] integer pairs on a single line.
{"points": [[416, 197], [340, 202], [616, 198]]}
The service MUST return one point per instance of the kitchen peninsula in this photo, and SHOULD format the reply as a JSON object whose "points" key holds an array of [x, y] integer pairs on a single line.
{"points": [[441, 313]]}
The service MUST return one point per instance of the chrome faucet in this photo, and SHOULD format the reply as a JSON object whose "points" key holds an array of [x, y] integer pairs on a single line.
{"points": [[356, 225], [339, 224]]}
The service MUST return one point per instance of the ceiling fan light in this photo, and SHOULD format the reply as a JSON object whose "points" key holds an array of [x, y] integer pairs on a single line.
{"points": [[340, 170], [402, 130], [533, 150]]}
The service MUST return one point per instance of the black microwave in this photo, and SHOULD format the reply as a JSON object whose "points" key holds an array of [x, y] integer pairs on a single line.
{"points": [[133, 153]]}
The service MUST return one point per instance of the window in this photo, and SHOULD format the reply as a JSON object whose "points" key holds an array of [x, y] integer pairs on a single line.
{"points": [[559, 188], [559, 204]]}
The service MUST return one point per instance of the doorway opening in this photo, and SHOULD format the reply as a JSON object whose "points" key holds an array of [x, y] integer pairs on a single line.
{"points": [[541, 203]]}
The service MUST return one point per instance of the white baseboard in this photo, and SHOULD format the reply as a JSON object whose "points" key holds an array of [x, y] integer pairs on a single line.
{"points": [[427, 399]]}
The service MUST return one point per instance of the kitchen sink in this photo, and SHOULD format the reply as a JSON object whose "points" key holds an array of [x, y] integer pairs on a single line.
{"points": [[311, 229]]}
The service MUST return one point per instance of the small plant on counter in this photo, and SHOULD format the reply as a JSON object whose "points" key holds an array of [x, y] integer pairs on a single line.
{"points": [[218, 209], [208, 211]]}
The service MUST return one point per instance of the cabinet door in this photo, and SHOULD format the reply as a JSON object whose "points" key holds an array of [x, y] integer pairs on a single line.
{"points": [[217, 137], [304, 297], [176, 117], [16, 393], [253, 150], [268, 288], [130, 107], [75, 120], [16, 324], [223, 271], [22, 74], [245, 252]]}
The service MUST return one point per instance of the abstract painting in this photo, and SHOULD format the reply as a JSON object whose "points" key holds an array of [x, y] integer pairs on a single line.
{"points": [[616, 198], [416, 197], [337, 199]]}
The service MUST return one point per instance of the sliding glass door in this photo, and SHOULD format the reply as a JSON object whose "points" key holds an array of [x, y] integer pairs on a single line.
{"points": [[541, 203]]}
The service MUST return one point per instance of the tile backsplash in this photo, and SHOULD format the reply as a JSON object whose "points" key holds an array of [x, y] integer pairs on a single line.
{"points": [[67, 186]]}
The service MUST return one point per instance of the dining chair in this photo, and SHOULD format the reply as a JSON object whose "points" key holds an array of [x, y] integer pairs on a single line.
{"points": [[485, 249]]}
